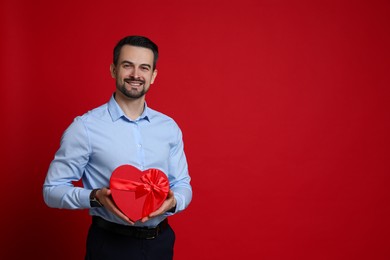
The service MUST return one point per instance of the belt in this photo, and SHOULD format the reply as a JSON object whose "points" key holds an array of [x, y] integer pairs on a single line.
{"points": [[132, 231]]}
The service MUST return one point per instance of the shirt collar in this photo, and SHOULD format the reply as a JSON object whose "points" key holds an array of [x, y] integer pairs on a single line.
{"points": [[116, 112]]}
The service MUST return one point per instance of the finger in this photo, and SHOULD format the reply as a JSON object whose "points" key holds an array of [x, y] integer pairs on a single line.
{"points": [[110, 205], [144, 219], [156, 213], [123, 216]]}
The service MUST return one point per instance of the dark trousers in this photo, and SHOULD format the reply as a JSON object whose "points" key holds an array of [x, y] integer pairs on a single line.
{"points": [[106, 245]]}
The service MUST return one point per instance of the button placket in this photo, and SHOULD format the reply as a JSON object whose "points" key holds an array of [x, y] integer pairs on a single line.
{"points": [[139, 144]]}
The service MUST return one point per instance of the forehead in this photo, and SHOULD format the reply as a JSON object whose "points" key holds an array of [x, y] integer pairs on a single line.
{"points": [[136, 55]]}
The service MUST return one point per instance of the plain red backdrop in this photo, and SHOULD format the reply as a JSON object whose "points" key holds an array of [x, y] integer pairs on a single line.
{"points": [[284, 106]]}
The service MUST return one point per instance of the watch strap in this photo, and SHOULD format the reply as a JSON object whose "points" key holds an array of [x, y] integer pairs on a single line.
{"points": [[93, 200]]}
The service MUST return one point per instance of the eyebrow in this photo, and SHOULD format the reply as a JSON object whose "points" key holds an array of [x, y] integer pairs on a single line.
{"points": [[131, 63]]}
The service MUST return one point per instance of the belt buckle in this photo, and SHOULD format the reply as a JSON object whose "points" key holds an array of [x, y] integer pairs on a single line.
{"points": [[155, 233], [152, 237]]}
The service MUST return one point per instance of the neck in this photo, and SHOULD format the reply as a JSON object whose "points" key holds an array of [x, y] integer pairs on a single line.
{"points": [[133, 108]]}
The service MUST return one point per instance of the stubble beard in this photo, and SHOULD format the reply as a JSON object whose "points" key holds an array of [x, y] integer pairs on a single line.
{"points": [[132, 93]]}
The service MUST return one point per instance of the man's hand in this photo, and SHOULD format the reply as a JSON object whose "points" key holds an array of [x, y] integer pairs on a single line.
{"points": [[168, 204], [104, 197]]}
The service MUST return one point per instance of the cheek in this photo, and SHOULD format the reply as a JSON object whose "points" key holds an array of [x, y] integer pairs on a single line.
{"points": [[121, 75]]}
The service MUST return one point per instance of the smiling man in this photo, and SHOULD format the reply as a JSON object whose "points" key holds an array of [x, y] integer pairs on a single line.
{"points": [[133, 71], [123, 131]]}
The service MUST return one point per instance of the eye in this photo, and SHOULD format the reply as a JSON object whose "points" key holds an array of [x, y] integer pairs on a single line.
{"points": [[144, 68]]}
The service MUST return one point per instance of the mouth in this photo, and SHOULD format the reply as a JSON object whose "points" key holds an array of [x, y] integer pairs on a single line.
{"points": [[134, 83]]}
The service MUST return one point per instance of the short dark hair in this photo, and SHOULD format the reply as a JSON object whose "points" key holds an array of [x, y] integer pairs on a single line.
{"points": [[138, 41]]}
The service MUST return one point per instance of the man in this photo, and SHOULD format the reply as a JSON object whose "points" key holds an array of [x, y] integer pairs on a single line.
{"points": [[123, 131]]}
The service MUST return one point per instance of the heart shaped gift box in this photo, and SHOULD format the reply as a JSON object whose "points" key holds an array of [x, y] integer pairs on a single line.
{"points": [[138, 193]]}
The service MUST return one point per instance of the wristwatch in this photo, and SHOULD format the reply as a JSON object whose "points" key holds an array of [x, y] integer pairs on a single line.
{"points": [[93, 200]]}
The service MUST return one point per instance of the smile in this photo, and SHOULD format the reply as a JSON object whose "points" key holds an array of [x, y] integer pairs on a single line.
{"points": [[135, 83]]}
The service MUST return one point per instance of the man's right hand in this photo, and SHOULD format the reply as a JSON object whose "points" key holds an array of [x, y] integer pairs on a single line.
{"points": [[105, 198]]}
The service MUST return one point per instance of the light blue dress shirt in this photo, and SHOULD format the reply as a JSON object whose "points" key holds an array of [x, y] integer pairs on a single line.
{"points": [[105, 138]]}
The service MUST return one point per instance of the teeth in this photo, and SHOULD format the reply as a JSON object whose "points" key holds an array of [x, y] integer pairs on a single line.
{"points": [[132, 83]]}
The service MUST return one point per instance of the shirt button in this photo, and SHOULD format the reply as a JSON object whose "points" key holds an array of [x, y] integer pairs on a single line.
{"points": [[139, 145]]}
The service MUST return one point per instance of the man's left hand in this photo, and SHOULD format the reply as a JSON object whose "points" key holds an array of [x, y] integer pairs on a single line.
{"points": [[168, 204]]}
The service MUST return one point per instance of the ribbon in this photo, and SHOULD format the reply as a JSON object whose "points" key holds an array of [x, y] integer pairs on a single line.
{"points": [[153, 185]]}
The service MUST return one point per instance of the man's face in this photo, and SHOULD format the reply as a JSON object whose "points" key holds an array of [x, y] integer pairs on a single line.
{"points": [[134, 71]]}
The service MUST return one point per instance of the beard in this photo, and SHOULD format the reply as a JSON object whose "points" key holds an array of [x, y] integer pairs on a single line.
{"points": [[133, 92]]}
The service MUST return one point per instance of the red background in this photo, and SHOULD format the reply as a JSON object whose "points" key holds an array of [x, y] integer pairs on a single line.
{"points": [[284, 108]]}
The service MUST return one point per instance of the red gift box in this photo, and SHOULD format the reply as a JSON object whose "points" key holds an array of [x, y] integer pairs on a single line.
{"points": [[138, 193]]}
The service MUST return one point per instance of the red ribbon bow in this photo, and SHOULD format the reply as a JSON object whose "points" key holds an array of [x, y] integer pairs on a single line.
{"points": [[153, 185]]}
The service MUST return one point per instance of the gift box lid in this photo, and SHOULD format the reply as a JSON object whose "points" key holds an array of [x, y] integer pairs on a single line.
{"points": [[138, 193]]}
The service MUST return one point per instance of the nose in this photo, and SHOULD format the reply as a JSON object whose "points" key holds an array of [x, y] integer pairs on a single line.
{"points": [[135, 72]]}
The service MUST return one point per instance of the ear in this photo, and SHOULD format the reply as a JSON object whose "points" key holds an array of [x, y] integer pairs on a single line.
{"points": [[113, 70], [154, 75]]}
